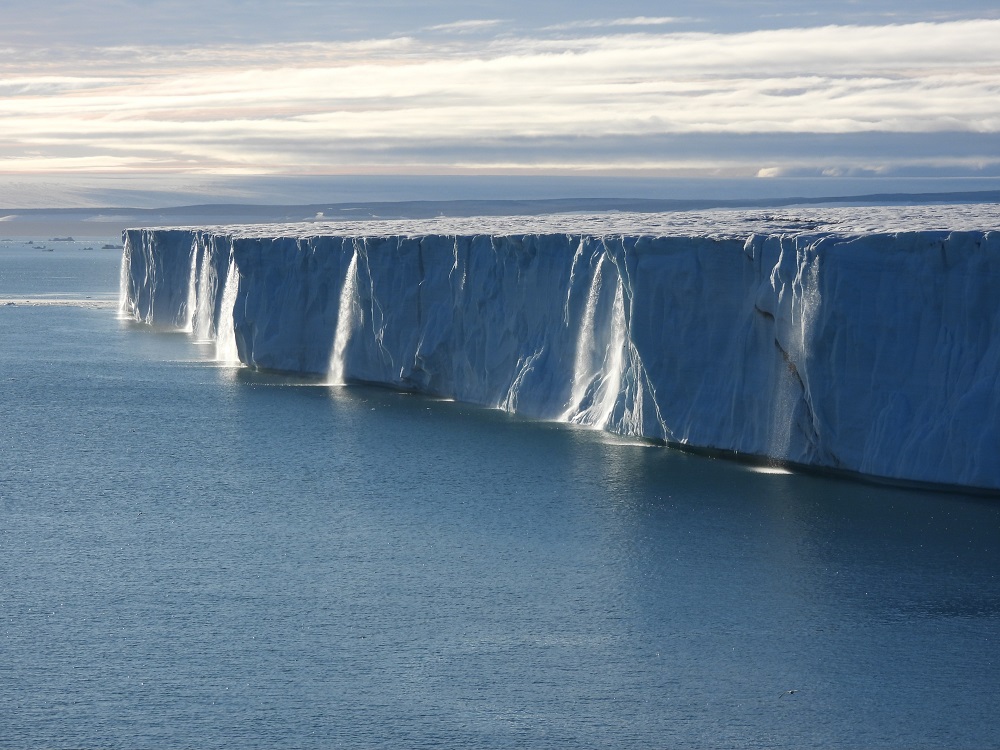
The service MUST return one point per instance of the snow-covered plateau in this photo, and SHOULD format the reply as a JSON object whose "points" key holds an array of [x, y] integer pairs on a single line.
{"points": [[862, 339]]}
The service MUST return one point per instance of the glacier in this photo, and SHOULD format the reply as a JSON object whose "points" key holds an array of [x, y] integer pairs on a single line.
{"points": [[858, 340]]}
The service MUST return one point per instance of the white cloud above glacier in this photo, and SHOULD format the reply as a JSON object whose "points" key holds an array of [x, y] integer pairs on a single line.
{"points": [[632, 95]]}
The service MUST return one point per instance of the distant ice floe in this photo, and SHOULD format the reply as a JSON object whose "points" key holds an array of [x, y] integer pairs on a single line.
{"points": [[84, 302]]}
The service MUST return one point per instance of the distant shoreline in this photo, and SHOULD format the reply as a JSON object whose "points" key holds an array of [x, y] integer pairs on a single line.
{"points": [[109, 221]]}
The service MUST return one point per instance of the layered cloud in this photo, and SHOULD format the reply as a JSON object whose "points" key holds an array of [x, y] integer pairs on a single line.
{"points": [[634, 96]]}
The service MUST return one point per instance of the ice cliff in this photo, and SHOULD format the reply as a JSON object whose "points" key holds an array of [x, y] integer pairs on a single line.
{"points": [[870, 352]]}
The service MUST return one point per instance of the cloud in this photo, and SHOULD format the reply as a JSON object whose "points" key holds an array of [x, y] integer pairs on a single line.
{"points": [[462, 27], [632, 100], [611, 23]]}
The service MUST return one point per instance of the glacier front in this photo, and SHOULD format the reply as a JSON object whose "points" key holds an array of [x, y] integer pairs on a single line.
{"points": [[873, 349]]}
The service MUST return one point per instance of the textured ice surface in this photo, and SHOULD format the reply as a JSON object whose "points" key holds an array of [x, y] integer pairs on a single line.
{"points": [[863, 339]]}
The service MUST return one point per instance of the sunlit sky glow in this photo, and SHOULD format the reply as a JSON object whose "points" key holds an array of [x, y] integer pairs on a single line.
{"points": [[491, 88]]}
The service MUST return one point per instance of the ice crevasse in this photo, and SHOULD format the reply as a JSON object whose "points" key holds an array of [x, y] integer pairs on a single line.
{"points": [[870, 353]]}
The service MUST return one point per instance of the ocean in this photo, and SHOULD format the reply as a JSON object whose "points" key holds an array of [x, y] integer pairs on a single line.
{"points": [[196, 555]]}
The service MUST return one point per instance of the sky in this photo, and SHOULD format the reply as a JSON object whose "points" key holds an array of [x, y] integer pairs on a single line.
{"points": [[152, 93]]}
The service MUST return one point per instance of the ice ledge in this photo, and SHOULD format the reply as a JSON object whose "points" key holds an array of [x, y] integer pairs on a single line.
{"points": [[866, 353]]}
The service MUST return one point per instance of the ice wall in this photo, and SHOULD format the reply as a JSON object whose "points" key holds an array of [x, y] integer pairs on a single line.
{"points": [[874, 353]]}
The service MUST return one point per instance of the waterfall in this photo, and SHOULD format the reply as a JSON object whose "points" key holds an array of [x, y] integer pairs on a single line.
{"points": [[603, 408], [572, 279], [349, 305], [225, 342], [600, 358], [792, 407], [192, 290], [203, 315], [524, 366], [610, 386], [455, 265], [125, 306], [600, 353], [583, 374]]}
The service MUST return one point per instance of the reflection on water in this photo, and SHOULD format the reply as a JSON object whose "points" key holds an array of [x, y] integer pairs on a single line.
{"points": [[769, 470]]}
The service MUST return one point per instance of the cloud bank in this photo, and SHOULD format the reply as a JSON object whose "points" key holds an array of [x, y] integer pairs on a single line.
{"points": [[824, 100]]}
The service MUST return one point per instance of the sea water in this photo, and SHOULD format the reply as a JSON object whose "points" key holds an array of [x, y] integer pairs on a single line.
{"points": [[195, 555]]}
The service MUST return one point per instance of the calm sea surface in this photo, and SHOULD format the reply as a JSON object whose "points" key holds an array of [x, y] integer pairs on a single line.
{"points": [[198, 556]]}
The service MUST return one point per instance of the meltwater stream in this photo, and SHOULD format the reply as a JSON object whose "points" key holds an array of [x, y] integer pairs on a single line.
{"points": [[346, 320], [194, 555]]}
